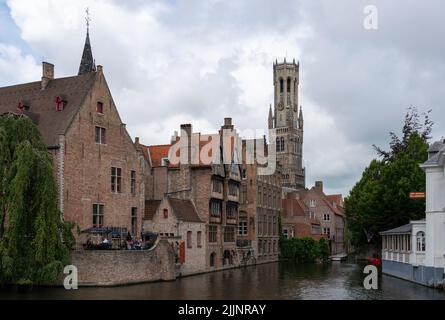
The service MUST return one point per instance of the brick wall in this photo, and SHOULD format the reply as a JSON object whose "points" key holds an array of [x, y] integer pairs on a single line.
{"points": [[175, 231], [87, 165], [116, 267]]}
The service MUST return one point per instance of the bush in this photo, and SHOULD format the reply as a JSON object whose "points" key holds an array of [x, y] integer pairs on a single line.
{"points": [[304, 250]]}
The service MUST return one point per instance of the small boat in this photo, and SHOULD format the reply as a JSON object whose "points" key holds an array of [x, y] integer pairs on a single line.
{"points": [[338, 257], [375, 261]]}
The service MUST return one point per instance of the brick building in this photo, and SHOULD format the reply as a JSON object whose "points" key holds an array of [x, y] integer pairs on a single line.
{"points": [[97, 167], [260, 205], [203, 169], [327, 209], [298, 221], [178, 221]]}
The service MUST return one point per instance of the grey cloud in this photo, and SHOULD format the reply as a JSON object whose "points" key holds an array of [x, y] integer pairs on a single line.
{"points": [[178, 64]]}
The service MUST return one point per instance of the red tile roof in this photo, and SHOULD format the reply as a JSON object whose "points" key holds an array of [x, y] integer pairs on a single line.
{"points": [[336, 209], [157, 153], [337, 198]]}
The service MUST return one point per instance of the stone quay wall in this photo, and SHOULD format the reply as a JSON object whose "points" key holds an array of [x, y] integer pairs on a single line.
{"points": [[120, 267]]}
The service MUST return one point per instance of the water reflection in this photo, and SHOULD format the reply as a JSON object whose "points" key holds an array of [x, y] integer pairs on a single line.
{"points": [[335, 281]]}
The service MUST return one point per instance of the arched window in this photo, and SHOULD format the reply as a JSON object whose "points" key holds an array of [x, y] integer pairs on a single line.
{"points": [[281, 85], [212, 259], [282, 144], [278, 145], [420, 241], [227, 258], [288, 85]]}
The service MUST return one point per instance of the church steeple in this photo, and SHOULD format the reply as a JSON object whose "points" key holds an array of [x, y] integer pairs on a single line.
{"points": [[87, 62]]}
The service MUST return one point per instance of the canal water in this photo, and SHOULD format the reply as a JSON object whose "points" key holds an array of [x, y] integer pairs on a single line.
{"points": [[334, 281]]}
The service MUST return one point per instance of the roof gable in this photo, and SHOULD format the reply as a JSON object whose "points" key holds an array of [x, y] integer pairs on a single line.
{"points": [[151, 206], [42, 103], [184, 210]]}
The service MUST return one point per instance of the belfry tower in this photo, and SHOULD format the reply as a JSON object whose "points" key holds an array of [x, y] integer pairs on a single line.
{"points": [[287, 120]]}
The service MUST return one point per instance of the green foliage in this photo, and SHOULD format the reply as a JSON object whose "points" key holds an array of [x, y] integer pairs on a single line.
{"points": [[380, 200], [323, 247], [304, 250], [35, 243]]}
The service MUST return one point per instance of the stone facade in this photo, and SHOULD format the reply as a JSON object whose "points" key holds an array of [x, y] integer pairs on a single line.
{"points": [[287, 121], [117, 267], [260, 206], [187, 235], [212, 186]]}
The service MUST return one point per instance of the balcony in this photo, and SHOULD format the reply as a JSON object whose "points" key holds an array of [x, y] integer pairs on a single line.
{"points": [[243, 243], [217, 195], [233, 198], [215, 218]]}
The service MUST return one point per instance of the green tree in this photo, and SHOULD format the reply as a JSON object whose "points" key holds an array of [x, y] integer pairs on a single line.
{"points": [[304, 250], [323, 247], [380, 199], [35, 243]]}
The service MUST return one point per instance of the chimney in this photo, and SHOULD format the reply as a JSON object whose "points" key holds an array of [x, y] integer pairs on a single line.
{"points": [[186, 146], [319, 185], [174, 137], [186, 129], [227, 123], [136, 141], [47, 74]]}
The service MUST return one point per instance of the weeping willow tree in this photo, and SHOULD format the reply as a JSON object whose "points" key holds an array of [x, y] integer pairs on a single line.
{"points": [[34, 240]]}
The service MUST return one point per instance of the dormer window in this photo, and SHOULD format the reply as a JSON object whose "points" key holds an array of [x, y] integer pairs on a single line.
{"points": [[164, 162], [99, 107], [60, 103], [22, 105]]}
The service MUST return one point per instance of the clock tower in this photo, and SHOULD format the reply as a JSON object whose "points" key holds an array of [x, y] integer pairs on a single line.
{"points": [[287, 120]]}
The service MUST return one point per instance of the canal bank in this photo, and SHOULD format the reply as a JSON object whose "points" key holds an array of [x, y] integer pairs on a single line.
{"points": [[333, 281]]}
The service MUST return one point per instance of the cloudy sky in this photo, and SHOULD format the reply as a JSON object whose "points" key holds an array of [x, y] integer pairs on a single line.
{"points": [[173, 62]]}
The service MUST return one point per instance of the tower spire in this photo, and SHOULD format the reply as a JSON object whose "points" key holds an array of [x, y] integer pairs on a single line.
{"points": [[87, 61], [300, 118], [270, 119]]}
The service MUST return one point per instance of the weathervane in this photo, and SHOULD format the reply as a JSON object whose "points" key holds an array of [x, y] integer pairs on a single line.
{"points": [[87, 18]]}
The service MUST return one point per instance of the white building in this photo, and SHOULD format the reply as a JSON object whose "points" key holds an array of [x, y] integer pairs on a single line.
{"points": [[416, 251]]}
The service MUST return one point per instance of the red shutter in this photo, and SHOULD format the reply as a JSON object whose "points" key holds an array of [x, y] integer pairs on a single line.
{"points": [[182, 253]]}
